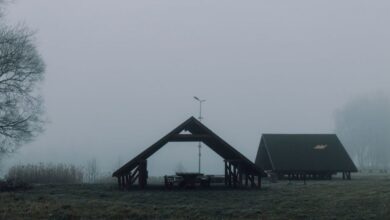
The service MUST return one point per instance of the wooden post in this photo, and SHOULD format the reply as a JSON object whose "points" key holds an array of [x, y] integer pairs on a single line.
{"points": [[246, 179], [119, 182], [130, 178], [252, 179], [259, 181], [234, 177], [230, 174], [143, 173], [127, 181], [123, 182], [240, 178], [226, 173]]}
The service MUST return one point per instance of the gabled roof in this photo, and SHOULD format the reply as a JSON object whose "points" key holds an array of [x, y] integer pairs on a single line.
{"points": [[303, 152], [198, 132]]}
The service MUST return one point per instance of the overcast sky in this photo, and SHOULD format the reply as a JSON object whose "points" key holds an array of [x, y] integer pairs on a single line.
{"points": [[121, 74]]}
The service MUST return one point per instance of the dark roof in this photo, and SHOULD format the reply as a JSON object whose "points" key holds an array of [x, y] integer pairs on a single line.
{"points": [[199, 132], [303, 152]]}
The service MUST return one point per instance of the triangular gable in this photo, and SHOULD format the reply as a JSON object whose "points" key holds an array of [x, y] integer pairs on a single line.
{"points": [[263, 158], [193, 130]]}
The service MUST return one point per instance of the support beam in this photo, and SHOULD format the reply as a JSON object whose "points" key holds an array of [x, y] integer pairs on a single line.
{"points": [[189, 138], [143, 174]]}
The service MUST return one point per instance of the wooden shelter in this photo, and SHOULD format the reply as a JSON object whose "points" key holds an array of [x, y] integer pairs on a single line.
{"points": [[301, 156], [239, 171]]}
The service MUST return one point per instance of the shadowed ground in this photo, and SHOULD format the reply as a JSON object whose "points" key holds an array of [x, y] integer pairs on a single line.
{"points": [[365, 197]]}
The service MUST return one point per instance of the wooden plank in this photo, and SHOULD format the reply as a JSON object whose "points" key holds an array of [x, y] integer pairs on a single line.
{"points": [[188, 138], [134, 179]]}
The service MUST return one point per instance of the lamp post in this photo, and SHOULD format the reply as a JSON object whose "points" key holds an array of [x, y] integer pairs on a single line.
{"points": [[200, 119]]}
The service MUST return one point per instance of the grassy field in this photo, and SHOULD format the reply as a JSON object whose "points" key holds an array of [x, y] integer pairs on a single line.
{"points": [[365, 197]]}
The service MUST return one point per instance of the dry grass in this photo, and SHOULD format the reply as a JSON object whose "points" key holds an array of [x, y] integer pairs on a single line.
{"points": [[365, 197]]}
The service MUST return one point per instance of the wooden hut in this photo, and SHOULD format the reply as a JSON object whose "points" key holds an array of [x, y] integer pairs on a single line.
{"points": [[301, 156]]}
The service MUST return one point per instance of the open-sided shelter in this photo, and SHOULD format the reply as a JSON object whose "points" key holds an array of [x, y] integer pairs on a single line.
{"points": [[239, 171], [299, 156]]}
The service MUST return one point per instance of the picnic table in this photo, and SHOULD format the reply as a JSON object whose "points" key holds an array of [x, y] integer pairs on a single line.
{"points": [[187, 180]]}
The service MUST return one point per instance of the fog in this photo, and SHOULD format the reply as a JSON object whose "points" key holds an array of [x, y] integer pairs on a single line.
{"points": [[121, 74]]}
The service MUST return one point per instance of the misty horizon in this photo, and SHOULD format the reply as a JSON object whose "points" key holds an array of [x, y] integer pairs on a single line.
{"points": [[120, 76]]}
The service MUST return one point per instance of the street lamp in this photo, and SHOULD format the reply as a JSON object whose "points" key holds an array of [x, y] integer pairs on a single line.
{"points": [[200, 119]]}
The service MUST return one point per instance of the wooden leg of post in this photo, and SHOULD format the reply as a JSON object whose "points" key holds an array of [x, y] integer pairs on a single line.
{"points": [[230, 175], [252, 179], [130, 178], [123, 182], [246, 180], [127, 182], [234, 177], [143, 174], [259, 181], [226, 173], [119, 182], [239, 176]]}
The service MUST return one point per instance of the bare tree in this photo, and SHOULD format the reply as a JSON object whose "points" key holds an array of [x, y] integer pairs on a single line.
{"points": [[21, 71], [364, 127], [91, 171]]}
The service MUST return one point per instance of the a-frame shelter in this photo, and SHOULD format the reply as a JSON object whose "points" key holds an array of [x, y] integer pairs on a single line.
{"points": [[239, 171]]}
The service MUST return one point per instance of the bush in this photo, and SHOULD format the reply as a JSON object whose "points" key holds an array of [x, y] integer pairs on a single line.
{"points": [[13, 185], [46, 174]]}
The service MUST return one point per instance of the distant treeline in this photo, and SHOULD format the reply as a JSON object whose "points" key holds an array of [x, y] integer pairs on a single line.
{"points": [[46, 173]]}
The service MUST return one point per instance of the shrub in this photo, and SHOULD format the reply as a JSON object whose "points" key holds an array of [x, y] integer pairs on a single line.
{"points": [[46, 173], [13, 185]]}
